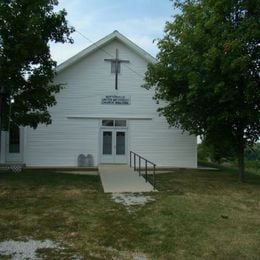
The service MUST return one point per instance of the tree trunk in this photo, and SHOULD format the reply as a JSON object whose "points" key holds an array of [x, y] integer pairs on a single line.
{"points": [[240, 151], [241, 163]]}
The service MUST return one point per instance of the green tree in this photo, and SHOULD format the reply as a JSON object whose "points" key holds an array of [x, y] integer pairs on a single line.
{"points": [[26, 67], [208, 72], [217, 153], [253, 153]]}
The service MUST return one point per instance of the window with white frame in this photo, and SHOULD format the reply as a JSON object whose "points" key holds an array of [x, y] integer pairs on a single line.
{"points": [[114, 123]]}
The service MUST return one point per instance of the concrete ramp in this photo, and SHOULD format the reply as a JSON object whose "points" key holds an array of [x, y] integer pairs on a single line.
{"points": [[121, 178]]}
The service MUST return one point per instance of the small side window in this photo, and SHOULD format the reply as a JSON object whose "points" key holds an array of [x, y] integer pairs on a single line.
{"points": [[14, 139], [107, 122], [121, 123]]}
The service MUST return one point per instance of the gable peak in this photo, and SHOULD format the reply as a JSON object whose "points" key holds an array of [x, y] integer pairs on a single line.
{"points": [[99, 44]]}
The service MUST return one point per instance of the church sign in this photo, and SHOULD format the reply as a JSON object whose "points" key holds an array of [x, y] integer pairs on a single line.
{"points": [[116, 100]]}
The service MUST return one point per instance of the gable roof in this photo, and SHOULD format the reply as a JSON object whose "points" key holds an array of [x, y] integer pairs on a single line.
{"points": [[98, 45]]}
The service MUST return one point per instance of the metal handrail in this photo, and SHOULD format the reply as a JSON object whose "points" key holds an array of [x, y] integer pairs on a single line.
{"points": [[140, 158]]}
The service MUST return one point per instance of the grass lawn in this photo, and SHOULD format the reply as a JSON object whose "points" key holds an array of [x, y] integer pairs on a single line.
{"points": [[195, 214]]}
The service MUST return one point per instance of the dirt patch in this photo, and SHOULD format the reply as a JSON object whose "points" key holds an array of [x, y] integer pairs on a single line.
{"points": [[24, 250], [131, 199], [132, 256], [35, 250], [79, 172], [2, 193], [72, 192]]}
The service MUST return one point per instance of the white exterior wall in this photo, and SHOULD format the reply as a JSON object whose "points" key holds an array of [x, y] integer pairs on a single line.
{"points": [[87, 81], [163, 145]]}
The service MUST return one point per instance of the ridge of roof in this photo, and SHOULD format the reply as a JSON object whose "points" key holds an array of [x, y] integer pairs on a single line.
{"points": [[99, 44]]}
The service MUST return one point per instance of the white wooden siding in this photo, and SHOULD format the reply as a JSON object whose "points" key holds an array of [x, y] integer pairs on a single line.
{"points": [[87, 81]]}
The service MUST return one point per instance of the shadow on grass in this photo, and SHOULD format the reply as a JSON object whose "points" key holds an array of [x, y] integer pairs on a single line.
{"points": [[39, 178], [252, 175], [181, 181]]}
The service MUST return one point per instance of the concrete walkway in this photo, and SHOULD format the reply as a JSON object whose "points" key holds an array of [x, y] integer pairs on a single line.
{"points": [[121, 178]]}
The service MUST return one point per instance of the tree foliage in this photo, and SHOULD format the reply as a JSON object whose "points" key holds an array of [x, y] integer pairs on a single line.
{"points": [[208, 71], [253, 153], [26, 67], [215, 153], [208, 153]]}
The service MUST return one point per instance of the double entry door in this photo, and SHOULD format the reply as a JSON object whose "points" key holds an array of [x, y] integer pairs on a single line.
{"points": [[113, 146]]}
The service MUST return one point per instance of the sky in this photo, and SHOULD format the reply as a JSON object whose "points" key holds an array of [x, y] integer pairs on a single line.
{"points": [[142, 21]]}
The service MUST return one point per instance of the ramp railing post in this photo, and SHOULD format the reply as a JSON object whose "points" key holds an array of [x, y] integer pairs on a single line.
{"points": [[154, 177], [140, 158], [134, 162], [145, 170], [139, 166], [130, 159]]}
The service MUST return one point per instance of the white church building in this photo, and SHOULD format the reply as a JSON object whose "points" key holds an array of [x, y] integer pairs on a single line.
{"points": [[104, 112]]}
